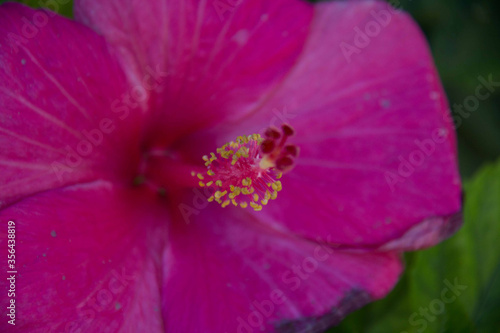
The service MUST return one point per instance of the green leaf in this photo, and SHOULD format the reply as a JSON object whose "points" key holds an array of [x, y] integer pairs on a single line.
{"points": [[469, 262], [64, 8]]}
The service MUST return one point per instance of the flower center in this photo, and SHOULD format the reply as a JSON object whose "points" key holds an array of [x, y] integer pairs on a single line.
{"points": [[245, 172]]}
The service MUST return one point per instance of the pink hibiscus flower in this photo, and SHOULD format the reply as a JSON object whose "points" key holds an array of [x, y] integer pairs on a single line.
{"points": [[104, 119]]}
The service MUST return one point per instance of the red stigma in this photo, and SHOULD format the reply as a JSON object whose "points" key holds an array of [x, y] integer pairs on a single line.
{"points": [[245, 172]]}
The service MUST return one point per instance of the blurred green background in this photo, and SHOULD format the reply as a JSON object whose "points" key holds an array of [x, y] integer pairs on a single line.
{"points": [[464, 36]]}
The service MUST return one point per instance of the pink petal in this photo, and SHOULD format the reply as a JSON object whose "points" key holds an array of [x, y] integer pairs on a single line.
{"points": [[225, 269], [58, 86], [210, 59], [356, 122], [87, 260], [429, 232]]}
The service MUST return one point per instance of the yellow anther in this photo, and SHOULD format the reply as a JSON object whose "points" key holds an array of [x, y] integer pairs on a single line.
{"points": [[277, 186], [274, 195], [193, 173], [242, 139], [239, 170], [255, 206], [267, 196]]}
